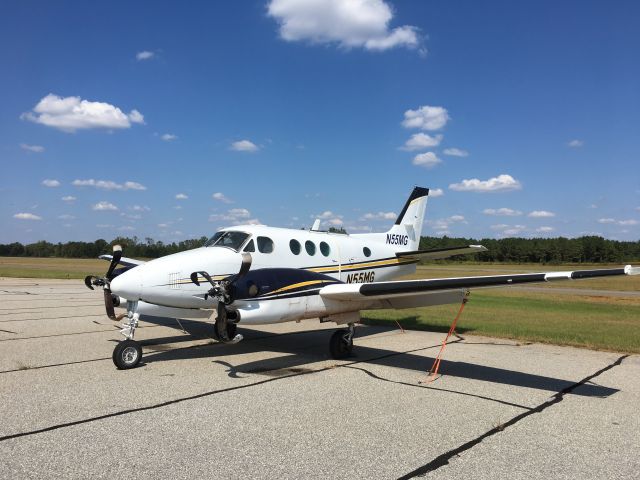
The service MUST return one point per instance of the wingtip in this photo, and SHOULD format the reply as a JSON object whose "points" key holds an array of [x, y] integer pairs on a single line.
{"points": [[631, 270]]}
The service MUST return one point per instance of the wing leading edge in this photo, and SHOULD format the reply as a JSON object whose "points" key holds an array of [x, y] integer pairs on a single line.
{"points": [[387, 290]]}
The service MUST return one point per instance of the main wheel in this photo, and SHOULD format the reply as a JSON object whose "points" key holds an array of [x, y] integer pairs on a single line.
{"points": [[127, 354], [339, 347], [232, 328]]}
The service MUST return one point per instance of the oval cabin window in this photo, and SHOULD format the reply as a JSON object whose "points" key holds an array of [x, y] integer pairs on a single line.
{"points": [[295, 247], [325, 249], [310, 247]]}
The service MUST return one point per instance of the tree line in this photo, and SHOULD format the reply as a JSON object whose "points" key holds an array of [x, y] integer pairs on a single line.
{"points": [[590, 249]]}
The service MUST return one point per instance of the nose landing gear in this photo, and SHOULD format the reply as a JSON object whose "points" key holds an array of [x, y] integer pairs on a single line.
{"points": [[128, 353]]}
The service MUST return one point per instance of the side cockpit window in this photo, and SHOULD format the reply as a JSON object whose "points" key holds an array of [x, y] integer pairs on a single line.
{"points": [[251, 247], [265, 245]]}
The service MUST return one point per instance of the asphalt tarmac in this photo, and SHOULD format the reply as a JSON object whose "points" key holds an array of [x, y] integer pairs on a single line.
{"points": [[276, 406]]}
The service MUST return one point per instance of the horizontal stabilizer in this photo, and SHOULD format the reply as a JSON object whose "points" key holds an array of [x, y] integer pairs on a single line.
{"points": [[439, 253]]}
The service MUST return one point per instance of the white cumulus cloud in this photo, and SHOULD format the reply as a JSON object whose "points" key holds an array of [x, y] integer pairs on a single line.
{"points": [[72, 113], [104, 206], [69, 198], [181, 196], [244, 146], [145, 55], [628, 222], [168, 137], [32, 148], [426, 118], [421, 141], [541, 214], [221, 197], [545, 229], [27, 216], [108, 184], [455, 152], [236, 216], [48, 182], [506, 212], [139, 208], [501, 183], [606, 220], [427, 160], [436, 192], [380, 216], [575, 143], [348, 24]]}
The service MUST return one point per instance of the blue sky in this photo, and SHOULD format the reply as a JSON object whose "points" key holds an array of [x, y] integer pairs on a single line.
{"points": [[523, 116]]}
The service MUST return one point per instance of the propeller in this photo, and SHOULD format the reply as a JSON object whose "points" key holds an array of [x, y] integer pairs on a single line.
{"points": [[223, 289], [90, 280]]}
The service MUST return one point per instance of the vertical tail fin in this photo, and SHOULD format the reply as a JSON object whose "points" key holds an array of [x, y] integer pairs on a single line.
{"points": [[408, 227]]}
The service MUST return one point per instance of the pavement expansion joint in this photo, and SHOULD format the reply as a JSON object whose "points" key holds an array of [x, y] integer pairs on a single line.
{"points": [[427, 387], [442, 460], [201, 395]]}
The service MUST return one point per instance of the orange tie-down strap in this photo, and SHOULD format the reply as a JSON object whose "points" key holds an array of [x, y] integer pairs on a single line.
{"points": [[433, 373]]}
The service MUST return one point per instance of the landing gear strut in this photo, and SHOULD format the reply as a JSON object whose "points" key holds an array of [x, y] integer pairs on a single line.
{"points": [[341, 343], [128, 353]]}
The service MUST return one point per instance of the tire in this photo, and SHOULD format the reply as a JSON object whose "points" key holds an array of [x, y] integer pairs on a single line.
{"points": [[232, 328], [338, 347], [127, 354]]}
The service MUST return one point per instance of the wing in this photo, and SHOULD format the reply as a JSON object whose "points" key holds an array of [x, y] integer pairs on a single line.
{"points": [[438, 253], [127, 262], [436, 291]]}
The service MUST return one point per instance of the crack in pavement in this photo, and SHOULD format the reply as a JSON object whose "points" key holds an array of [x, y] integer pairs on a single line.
{"points": [[13, 311], [51, 318], [442, 460], [377, 377], [203, 395], [114, 328]]}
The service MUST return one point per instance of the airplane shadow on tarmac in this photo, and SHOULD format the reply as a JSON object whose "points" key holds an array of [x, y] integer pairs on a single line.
{"points": [[310, 346]]}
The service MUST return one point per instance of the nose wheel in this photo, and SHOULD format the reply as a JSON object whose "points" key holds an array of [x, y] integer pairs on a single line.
{"points": [[127, 354]]}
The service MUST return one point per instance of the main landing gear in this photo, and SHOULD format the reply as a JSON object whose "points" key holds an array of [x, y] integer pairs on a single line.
{"points": [[225, 327], [128, 353], [341, 343]]}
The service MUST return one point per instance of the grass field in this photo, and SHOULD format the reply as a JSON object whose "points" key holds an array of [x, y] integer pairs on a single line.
{"points": [[601, 321], [51, 267]]}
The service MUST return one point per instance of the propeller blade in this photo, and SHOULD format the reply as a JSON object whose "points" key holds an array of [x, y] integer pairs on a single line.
{"points": [[115, 259], [194, 278], [246, 265], [87, 281], [108, 304]]}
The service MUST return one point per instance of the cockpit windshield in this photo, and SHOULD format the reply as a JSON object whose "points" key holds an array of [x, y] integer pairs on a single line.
{"points": [[229, 239]]}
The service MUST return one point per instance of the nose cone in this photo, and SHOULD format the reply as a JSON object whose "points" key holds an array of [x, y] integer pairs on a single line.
{"points": [[128, 284]]}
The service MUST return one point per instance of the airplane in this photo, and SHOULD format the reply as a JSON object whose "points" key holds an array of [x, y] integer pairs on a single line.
{"points": [[255, 274]]}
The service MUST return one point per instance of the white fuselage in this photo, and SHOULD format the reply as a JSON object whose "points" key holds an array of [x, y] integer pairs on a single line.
{"points": [[165, 282]]}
